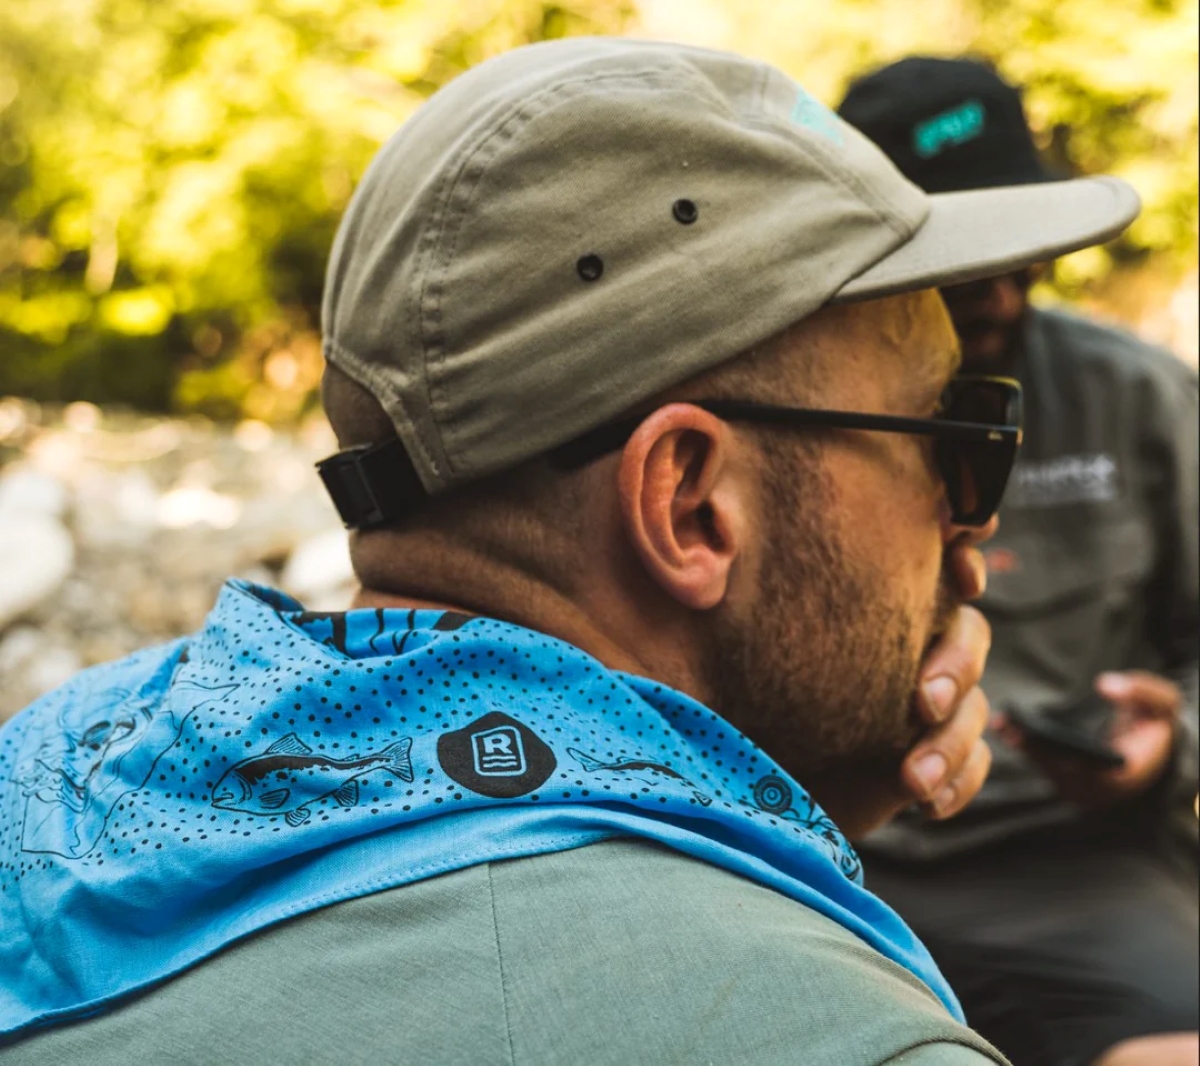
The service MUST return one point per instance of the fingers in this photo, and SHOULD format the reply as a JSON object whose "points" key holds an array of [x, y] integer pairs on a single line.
{"points": [[1143, 692], [945, 770], [953, 797], [968, 571], [954, 665], [1147, 748], [948, 767], [1146, 745]]}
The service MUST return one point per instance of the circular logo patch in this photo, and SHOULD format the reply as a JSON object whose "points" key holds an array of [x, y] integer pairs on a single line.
{"points": [[496, 756], [773, 794]]}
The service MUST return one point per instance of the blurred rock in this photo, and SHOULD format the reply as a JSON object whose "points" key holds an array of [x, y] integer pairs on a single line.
{"points": [[116, 508], [29, 491], [252, 435], [332, 599], [82, 417], [32, 663], [36, 555], [258, 575], [319, 571], [18, 648], [15, 418], [52, 667], [197, 506], [161, 512], [103, 647]]}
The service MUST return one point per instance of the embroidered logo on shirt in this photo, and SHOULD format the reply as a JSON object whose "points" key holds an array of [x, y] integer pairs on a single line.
{"points": [[496, 756], [1067, 479]]}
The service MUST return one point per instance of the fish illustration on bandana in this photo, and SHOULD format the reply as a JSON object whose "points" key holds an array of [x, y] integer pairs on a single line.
{"points": [[104, 743], [288, 777], [773, 795], [651, 773]]}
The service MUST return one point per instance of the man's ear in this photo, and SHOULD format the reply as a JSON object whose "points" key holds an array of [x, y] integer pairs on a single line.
{"points": [[683, 502]]}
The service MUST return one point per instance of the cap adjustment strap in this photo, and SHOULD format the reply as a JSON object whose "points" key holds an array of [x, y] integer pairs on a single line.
{"points": [[373, 484]]}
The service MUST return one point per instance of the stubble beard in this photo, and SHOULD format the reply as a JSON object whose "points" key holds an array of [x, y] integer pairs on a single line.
{"points": [[821, 674]]}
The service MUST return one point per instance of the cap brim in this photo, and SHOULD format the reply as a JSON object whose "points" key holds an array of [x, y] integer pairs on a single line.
{"points": [[983, 233]]}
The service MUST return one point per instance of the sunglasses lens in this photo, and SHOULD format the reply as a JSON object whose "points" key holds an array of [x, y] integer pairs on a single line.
{"points": [[958, 477], [976, 471]]}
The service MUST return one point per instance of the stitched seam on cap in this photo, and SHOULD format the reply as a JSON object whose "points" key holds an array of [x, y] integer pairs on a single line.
{"points": [[520, 114], [429, 242], [424, 444], [843, 177], [764, 80], [766, 119], [363, 373]]}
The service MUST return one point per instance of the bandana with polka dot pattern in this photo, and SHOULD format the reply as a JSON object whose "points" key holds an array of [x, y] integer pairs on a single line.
{"points": [[156, 809]]}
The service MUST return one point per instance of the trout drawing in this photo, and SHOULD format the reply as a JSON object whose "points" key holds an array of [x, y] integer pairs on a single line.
{"points": [[288, 776], [651, 773]]}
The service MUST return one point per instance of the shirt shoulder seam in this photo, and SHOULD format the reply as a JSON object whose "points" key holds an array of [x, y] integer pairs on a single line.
{"points": [[500, 969]]}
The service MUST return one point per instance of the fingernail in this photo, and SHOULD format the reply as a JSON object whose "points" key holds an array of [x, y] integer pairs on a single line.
{"points": [[944, 800], [930, 770], [1115, 684], [940, 694]]}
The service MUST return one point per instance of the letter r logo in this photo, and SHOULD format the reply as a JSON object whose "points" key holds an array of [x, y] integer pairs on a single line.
{"points": [[496, 756], [495, 743], [498, 753]]}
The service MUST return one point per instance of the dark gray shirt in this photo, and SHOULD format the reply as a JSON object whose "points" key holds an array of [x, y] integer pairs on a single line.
{"points": [[1094, 567]]}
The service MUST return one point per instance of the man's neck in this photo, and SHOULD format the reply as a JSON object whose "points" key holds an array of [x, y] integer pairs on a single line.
{"points": [[606, 607], [372, 599], [547, 614]]}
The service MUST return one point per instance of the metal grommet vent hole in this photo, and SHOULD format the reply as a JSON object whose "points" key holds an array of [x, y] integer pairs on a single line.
{"points": [[590, 267], [685, 211]]}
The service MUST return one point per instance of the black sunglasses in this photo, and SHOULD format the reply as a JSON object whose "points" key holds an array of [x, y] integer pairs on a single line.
{"points": [[976, 436]]}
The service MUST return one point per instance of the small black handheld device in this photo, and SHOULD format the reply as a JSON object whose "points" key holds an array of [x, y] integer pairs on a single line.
{"points": [[1079, 730]]}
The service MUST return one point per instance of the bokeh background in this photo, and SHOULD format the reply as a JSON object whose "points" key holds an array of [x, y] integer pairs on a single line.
{"points": [[171, 176]]}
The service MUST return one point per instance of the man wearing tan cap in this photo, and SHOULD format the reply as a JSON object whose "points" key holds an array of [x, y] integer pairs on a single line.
{"points": [[666, 500]]}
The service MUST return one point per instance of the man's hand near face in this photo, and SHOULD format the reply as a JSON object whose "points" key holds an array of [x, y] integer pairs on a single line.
{"points": [[1147, 709], [948, 765]]}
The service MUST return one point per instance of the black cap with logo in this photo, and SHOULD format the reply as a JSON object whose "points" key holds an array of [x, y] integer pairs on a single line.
{"points": [[947, 124]]}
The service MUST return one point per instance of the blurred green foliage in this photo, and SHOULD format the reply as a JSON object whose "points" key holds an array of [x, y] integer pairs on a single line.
{"points": [[172, 171]]}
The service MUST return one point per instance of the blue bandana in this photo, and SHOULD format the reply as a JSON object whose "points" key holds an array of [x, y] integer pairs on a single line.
{"points": [[155, 810]]}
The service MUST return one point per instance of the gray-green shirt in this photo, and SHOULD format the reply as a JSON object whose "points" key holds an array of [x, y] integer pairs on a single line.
{"points": [[621, 952], [1094, 567]]}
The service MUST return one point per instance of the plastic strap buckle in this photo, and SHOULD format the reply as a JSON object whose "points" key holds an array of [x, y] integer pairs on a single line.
{"points": [[371, 485]]}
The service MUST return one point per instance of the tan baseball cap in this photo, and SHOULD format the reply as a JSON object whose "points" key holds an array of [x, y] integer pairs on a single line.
{"points": [[575, 226]]}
